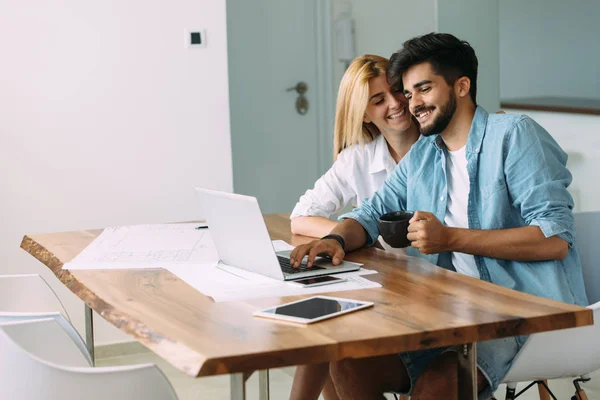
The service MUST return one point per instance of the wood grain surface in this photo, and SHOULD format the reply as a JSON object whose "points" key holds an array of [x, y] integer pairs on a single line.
{"points": [[419, 306]]}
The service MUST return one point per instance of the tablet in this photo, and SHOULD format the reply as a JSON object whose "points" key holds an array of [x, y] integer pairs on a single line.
{"points": [[312, 309]]}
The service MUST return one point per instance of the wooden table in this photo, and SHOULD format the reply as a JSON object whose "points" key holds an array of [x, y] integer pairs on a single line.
{"points": [[419, 306]]}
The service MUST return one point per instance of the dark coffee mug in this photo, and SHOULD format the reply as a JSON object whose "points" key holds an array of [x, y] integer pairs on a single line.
{"points": [[393, 227]]}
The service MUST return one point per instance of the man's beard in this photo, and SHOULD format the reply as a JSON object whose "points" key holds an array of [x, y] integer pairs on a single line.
{"points": [[443, 120]]}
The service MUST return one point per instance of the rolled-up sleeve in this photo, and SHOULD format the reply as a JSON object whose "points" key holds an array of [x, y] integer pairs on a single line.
{"points": [[331, 193], [539, 190]]}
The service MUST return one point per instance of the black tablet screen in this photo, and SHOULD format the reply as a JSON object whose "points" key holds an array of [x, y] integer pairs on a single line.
{"points": [[313, 308]]}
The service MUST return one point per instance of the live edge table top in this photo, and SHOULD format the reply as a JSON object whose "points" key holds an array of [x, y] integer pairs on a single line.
{"points": [[419, 306]]}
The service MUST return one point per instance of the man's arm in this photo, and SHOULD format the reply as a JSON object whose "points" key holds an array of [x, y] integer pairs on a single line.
{"points": [[359, 227], [351, 231], [527, 243]]}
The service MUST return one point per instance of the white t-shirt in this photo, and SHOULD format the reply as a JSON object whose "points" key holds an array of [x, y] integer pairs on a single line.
{"points": [[456, 207]]}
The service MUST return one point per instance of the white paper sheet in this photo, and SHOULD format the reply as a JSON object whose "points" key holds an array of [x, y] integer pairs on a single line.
{"points": [[285, 289], [190, 254], [281, 245], [148, 246], [226, 283]]}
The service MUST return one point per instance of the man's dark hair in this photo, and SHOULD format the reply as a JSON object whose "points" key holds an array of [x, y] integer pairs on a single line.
{"points": [[449, 57]]}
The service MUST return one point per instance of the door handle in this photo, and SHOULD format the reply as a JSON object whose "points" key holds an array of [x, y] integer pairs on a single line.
{"points": [[301, 101], [300, 88]]}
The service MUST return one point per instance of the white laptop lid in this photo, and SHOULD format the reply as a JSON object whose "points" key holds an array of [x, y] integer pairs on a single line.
{"points": [[239, 232]]}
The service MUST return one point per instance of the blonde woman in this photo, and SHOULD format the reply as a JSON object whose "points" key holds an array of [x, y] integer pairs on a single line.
{"points": [[373, 131]]}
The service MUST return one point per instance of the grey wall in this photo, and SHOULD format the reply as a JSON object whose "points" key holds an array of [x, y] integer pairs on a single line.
{"points": [[549, 48], [381, 26], [476, 21], [271, 47]]}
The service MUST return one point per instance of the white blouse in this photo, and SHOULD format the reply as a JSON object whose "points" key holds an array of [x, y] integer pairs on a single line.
{"points": [[356, 174]]}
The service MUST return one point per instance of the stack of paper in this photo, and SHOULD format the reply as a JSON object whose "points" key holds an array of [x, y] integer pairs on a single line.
{"points": [[148, 246], [190, 254], [226, 283]]}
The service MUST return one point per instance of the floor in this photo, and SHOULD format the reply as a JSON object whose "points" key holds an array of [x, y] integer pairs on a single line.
{"points": [[217, 388]]}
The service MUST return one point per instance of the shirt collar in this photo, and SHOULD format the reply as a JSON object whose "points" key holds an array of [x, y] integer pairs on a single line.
{"points": [[437, 142], [381, 156], [476, 133]]}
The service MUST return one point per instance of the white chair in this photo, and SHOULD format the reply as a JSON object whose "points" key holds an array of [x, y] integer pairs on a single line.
{"points": [[28, 297], [29, 371], [568, 353]]}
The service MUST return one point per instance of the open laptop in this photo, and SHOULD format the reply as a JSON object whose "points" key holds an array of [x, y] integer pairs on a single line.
{"points": [[241, 238]]}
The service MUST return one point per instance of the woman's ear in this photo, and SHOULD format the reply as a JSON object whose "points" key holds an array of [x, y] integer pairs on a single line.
{"points": [[462, 86], [366, 119]]}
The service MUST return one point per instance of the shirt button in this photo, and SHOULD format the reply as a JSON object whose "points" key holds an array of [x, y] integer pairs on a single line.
{"points": [[442, 198]]}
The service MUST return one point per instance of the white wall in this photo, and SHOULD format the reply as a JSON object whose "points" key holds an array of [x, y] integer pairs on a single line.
{"points": [[579, 136], [107, 118], [549, 48]]}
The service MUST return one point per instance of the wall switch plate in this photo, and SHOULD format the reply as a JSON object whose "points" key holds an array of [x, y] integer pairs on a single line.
{"points": [[195, 38]]}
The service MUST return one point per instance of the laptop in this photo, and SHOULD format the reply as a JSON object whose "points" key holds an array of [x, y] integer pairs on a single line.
{"points": [[241, 239]]}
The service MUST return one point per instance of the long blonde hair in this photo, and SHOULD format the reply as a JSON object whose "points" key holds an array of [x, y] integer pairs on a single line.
{"points": [[353, 96]]}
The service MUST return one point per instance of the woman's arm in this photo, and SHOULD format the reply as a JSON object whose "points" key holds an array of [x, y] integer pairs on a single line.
{"points": [[312, 226], [331, 193]]}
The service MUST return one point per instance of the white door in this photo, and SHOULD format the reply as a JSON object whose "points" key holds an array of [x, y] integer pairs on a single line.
{"points": [[272, 46]]}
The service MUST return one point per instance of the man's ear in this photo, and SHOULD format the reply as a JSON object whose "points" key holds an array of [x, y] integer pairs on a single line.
{"points": [[462, 86]]}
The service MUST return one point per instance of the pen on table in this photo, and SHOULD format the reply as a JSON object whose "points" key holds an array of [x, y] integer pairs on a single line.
{"points": [[202, 227]]}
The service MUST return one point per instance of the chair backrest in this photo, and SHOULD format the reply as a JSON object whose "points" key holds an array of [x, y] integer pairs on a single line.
{"points": [[24, 296], [587, 231], [48, 339], [26, 374], [28, 297], [559, 354]]}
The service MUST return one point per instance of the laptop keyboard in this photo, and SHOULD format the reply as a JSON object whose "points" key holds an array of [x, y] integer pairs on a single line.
{"points": [[286, 267]]}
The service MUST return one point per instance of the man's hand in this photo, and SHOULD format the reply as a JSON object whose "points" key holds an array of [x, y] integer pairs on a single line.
{"points": [[427, 234], [327, 247]]}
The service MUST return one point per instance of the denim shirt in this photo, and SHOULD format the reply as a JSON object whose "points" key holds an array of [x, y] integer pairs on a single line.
{"points": [[517, 177]]}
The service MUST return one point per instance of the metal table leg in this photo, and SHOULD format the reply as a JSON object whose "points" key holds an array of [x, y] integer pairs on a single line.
{"points": [[467, 372], [238, 386], [89, 332], [263, 384]]}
